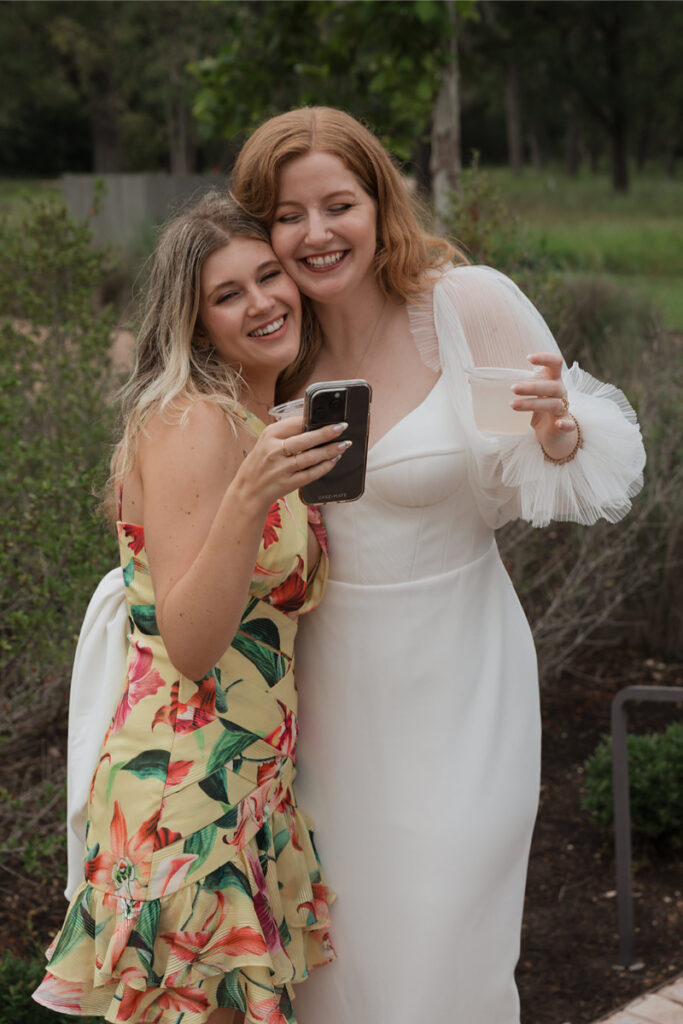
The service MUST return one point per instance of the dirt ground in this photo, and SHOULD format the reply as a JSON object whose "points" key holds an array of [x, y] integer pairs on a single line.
{"points": [[568, 971]]}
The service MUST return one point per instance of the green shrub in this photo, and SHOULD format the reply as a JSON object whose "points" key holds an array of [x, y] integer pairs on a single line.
{"points": [[55, 431], [33, 824], [656, 784], [598, 322], [481, 223], [18, 979]]}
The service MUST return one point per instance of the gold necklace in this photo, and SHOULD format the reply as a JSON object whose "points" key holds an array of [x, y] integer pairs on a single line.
{"points": [[372, 337]]}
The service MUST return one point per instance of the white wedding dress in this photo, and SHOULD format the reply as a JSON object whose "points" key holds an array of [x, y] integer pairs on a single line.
{"points": [[419, 744]]}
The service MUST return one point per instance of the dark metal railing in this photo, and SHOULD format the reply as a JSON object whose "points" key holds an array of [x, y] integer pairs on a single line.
{"points": [[622, 810]]}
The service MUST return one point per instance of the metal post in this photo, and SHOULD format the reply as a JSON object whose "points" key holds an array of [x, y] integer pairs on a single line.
{"points": [[622, 827], [622, 810]]}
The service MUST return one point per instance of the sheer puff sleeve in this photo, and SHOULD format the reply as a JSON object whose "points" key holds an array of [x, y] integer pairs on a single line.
{"points": [[481, 318]]}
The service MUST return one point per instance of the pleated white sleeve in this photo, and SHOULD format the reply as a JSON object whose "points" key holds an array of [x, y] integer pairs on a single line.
{"points": [[98, 671], [481, 318]]}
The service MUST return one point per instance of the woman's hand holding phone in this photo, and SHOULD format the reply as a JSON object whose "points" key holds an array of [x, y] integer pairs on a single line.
{"points": [[287, 458], [326, 402]]}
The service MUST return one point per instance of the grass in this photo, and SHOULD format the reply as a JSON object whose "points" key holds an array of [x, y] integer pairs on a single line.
{"points": [[13, 191], [583, 227]]}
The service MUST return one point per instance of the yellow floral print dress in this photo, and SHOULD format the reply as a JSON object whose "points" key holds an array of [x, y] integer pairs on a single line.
{"points": [[201, 887]]}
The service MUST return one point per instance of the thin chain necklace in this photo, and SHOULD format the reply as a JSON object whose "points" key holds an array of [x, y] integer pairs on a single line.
{"points": [[372, 338]]}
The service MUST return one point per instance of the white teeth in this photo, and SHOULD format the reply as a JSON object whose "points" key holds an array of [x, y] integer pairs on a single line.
{"points": [[323, 261], [268, 329]]}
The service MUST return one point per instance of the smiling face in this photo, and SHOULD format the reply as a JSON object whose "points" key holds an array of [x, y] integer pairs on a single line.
{"points": [[325, 228], [249, 310]]}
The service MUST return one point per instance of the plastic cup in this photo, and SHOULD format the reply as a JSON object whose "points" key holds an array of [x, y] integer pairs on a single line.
{"points": [[293, 408], [491, 397]]}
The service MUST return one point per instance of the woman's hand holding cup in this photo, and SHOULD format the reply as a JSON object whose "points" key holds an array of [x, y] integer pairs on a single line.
{"points": [[546, 398]]}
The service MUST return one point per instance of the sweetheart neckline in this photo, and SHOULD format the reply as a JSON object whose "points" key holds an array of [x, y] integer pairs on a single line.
{"points": [[407, 416]]}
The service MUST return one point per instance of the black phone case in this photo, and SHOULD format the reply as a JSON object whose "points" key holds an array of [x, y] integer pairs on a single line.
{"points": [[346, 480]]}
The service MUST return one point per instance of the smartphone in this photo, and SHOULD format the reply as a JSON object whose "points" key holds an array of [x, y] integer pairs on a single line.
{"points": [[339, 401]]}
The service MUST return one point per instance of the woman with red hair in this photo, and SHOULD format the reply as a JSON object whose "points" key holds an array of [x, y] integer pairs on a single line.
{"points": [[420, 737]]}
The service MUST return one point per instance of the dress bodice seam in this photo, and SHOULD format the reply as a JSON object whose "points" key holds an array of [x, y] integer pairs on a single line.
{"points": [[399, 459], [394, 585]]}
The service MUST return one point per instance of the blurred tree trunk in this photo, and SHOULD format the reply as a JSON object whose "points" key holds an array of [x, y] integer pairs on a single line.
{"points": [[572, 142], [181, 146], [619, 146], [105, 128], [536, 148], [594, 146], [643, 140], [421, 162], [513, 117], [446, 158], [617, 101]]}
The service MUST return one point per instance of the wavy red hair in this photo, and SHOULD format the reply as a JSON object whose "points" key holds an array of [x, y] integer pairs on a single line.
{"points": [[404, 249]]}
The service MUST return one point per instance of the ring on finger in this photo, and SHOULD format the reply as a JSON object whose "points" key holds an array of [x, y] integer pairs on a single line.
{"points": [[285, 450], [565, 404], [296, 464]]}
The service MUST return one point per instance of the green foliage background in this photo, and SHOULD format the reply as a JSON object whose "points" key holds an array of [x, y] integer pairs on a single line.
{"points": [[55, 434], [383, 62]]}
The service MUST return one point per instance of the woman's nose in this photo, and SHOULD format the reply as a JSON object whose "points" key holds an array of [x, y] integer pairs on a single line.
{"points": [[259, 300], [317, 230]]}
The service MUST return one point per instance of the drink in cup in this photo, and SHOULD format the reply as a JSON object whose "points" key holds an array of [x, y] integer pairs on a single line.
{"points": [[491, 397]]}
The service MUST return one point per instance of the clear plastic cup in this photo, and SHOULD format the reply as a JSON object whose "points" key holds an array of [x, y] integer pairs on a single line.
{"points": [[491, 397], [293, 408]]}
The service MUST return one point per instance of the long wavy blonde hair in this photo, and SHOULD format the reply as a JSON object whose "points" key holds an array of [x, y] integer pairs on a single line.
{"points": [[171, 370], [405, 251]]}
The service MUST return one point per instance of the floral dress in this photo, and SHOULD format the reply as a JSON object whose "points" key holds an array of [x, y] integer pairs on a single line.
{"points": [[202, 887]]}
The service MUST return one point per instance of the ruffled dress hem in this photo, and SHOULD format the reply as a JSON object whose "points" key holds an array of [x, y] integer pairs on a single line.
{"points": [[238, 938]]}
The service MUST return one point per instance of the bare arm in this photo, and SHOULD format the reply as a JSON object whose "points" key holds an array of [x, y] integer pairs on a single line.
{"points": [[204, 508]]}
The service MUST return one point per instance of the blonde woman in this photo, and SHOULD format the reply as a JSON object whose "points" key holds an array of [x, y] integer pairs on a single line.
{"points": [[420, 751], [200, 896]]}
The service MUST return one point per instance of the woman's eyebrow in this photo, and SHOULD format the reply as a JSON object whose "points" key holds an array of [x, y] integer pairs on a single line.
{"points": [[329, 195]]}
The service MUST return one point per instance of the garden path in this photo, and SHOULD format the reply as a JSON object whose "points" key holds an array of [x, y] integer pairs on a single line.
{"points": [[662, 1006]]}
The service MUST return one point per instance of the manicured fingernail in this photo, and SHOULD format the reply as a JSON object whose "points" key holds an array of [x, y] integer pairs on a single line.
{"points": [[344, 445], [339, 427], [336, 458]]}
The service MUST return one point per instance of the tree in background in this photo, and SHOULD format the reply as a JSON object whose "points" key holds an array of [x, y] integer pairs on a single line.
{"points": [[382, 61], [148, 84], [43, 127], [572, 79], [113, 70], [581, 77]]}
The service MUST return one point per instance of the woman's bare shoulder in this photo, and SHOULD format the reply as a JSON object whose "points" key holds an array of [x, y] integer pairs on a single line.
{"points": [[195, 433]]}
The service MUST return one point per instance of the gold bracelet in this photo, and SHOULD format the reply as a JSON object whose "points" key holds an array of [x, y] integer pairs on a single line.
{"points": [[573, 452]]}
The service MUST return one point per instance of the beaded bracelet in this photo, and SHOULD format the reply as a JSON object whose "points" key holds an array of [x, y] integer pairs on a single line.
{"points": [[573, 452]]}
